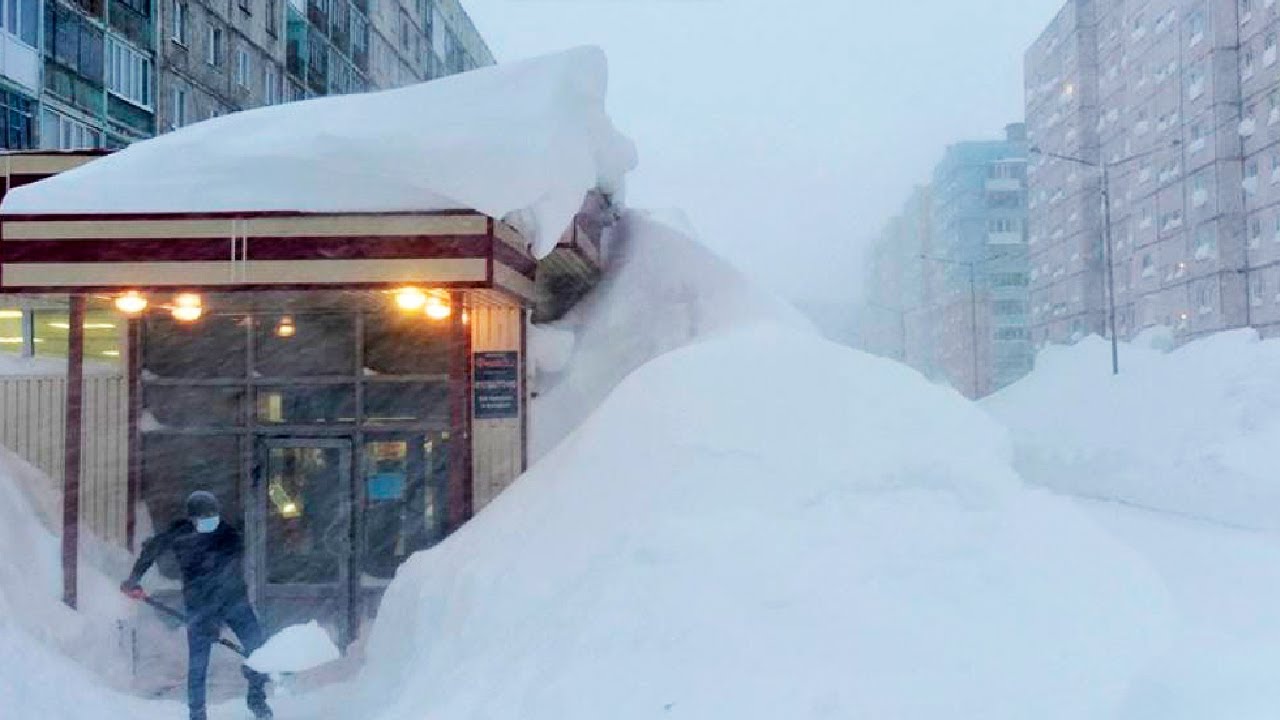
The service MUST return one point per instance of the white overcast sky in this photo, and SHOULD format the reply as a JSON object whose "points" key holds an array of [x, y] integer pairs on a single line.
{"points": [[788, 130]]}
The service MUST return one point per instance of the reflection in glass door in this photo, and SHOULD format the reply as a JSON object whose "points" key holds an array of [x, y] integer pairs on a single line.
{"points": [[403, 478], [304, 495]]}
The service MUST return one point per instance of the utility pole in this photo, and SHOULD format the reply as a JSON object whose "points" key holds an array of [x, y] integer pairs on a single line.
{"points": [[1110, 253], [973, 321]]}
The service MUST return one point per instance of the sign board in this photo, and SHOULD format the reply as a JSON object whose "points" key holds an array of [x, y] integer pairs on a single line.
{"points": [[496, 385]]}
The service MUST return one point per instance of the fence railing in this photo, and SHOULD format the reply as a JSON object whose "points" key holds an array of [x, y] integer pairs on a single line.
{"points": [[33, 425]]}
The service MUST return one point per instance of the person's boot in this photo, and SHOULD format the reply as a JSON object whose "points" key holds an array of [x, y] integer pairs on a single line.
{"points": [[257, 698]]}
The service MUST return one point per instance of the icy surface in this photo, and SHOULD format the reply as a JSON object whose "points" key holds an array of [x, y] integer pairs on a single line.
{"points": [[295, 649], [762, 524], [1193, 431], [526, 140]]}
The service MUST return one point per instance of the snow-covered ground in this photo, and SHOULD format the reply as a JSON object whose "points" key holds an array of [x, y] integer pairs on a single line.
{"points": [[1177, 457]]}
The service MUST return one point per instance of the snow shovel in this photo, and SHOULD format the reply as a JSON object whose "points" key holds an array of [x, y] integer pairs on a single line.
{"points": [[181, 617]]}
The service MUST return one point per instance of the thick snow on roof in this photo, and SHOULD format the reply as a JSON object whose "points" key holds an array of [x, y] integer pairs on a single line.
{"points": [[524, 141]]}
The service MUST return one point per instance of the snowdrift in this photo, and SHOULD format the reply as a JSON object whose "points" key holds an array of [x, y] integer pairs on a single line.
{"points": [[1192, 431], [523, 141], [762, 524]]}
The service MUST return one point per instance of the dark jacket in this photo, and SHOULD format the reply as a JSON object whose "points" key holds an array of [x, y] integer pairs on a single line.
{"points": [[212, 565]]}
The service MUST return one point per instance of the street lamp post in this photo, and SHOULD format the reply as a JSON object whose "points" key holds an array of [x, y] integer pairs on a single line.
{"points": [[1108, 245]]}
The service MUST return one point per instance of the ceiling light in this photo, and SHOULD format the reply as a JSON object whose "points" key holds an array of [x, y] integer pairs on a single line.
{"points": [[131, 303]]}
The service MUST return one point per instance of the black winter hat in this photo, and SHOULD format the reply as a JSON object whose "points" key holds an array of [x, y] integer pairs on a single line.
{"points": [[202, 504]]}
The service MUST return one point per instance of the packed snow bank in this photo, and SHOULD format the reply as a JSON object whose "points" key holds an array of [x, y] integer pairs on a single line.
{"points": [[1193, 431], [525, 141], [294, 649], [762, 524], [664, 290]]}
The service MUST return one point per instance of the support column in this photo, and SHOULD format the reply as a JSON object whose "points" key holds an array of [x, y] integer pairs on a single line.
{"points": [[460, 491], [133, 369], [71, 449]]}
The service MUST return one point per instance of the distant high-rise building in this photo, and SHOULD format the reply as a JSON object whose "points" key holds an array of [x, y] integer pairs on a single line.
{"points": [[947, 291], [82, 74], [1180, 101]]}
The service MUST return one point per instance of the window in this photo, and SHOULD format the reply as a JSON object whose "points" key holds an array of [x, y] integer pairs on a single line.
{"points": [[22, 19], [213, 47], [270, 84], [243, 68], [1009, 307], [17, 123], [179, 109], [1246, 62], [59, 132], [1246, 11], [128, 73], [1011, 334], [1206, 243], [273, 17], [179, 22], [1255, 232], [405, 31], [77, 44], [1195, 27], [1006, 280]]}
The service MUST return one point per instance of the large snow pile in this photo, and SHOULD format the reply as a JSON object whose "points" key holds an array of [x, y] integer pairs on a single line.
{"points": [[53, 661], [762, 524], [1194, 430], [524, 141], [665, 291]]}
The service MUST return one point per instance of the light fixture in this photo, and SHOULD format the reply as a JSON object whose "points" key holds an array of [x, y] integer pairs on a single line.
{"points": [[438, 309], [111, 353], [466, 316], [187, 307], [87, 326], [131, 303], [289, 510], [10, 314], [285, 328], [410, 298]]}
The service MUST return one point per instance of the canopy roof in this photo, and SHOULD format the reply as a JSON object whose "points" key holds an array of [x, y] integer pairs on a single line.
{"points": [[523, 142]]}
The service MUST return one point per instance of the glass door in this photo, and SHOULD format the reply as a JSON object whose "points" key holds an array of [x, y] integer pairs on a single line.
{"points": [[304, 540]]}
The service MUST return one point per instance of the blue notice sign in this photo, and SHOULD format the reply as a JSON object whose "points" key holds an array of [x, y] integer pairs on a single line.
{"points": [[496, 385]]}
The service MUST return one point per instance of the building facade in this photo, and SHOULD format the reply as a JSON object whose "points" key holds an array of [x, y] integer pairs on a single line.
{"points": [[85, 74], [1179, 103], [948, 284]]}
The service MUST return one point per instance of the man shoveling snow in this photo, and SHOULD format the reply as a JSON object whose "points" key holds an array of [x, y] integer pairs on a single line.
{"points": [[210, 554]]}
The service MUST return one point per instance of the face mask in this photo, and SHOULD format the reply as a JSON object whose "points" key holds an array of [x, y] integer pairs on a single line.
{"points": [[206, 524]]}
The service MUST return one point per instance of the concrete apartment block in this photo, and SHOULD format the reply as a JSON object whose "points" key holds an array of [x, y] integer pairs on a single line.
{"points": [[1185, 123]]}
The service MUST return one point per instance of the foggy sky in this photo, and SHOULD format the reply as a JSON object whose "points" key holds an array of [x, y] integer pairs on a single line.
{"points": [[790, 130]]}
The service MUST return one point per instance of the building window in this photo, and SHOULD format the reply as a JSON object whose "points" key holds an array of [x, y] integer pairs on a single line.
{"points": [[128, 73], [213, 47], [243, 68], [179, 108], [273, 17], [405, 31], [270, 84], [179, 22], [17, 124], [22, 19], [59, 132]]}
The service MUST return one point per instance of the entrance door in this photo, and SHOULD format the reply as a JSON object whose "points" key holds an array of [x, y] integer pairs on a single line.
{"points": [[303, 571]]}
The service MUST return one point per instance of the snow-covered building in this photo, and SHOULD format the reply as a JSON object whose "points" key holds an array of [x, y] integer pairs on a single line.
{"points": [[329, 337]]}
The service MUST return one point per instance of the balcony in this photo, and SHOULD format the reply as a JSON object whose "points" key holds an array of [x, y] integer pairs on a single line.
{"points": [[1004, 238], [1004, 184], [20, 62]]}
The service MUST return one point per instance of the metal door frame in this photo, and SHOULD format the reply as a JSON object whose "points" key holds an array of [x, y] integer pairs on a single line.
{"points": [[255, 522]]}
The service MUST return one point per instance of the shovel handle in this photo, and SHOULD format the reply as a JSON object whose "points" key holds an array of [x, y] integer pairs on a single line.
{"points": [[182, 618]]}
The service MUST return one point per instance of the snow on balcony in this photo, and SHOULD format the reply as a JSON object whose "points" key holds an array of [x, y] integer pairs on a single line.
{"points": [[1197, 145], [1199, 197], [1248, 127], [1250, 184]]}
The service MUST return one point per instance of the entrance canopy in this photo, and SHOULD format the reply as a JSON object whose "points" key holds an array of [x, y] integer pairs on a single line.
{"points": [[523, 143]]}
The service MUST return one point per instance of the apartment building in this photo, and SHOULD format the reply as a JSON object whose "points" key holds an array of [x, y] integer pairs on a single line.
{"points": [[80, 74], [980, 257], [229, 55], [1186, 131], [947, 288], [894, 321]]}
